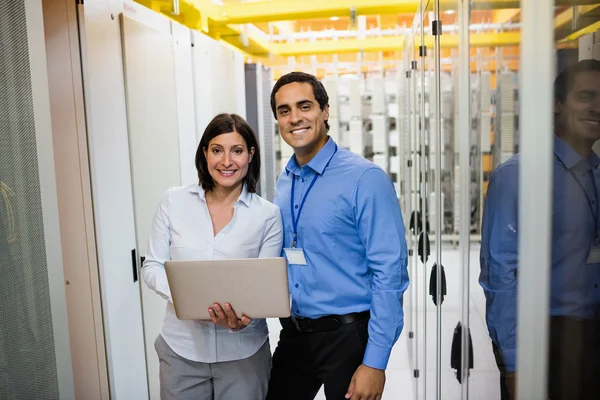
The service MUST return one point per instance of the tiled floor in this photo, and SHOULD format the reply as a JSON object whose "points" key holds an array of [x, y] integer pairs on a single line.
{"points": [[483, 382]]}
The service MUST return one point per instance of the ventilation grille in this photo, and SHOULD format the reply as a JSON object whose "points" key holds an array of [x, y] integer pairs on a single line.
{"points": [[268, 137], [507, 92], [485, 101], [27, 354], [486, 92]]}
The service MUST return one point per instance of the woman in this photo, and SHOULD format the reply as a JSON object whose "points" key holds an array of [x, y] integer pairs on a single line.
{"points": [[222, 217]]}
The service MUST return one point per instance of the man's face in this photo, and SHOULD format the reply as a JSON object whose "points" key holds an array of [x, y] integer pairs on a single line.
{"points": [[301, 120], [580, 113]]}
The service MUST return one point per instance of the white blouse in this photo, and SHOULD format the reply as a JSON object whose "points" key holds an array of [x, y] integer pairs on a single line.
{"points": [[182, 230]]}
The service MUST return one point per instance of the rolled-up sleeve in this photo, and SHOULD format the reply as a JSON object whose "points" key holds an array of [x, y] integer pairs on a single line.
{"points": [[498, 259], [381, 229], [153, 270]]}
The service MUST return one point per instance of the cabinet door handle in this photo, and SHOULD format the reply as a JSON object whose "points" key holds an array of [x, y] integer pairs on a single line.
{"points": [[433, 283], [134, 265], [456, 353]]}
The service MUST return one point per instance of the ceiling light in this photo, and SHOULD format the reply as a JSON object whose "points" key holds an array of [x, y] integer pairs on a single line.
{"points": [[450, 12], [334, 18]]}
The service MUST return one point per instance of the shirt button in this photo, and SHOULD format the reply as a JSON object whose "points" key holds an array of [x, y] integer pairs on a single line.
{"points": [[297, 311], [296, 206], [302, 180], [296, 285]]}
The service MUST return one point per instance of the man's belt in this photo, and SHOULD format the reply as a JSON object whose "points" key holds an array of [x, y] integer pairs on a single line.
{"points": [[326, 323]]}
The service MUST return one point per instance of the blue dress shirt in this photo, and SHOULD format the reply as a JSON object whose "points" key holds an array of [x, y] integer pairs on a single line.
{"points": [[352, 234], [574, 284]]}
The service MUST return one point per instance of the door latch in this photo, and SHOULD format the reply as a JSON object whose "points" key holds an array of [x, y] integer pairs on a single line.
{"points": [[433, 284], [456, 353]]}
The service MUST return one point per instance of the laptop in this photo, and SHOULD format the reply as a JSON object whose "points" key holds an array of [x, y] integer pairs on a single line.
{"points": [[257, 287]]}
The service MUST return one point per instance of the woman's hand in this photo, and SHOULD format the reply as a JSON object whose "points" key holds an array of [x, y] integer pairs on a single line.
{"points": [[227, 317]]}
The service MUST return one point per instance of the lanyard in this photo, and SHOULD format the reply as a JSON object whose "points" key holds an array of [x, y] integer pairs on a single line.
{"points": [[595, 210], [295, 219]]}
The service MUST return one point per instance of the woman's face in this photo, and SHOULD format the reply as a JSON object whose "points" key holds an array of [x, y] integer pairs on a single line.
{"points": [[228, 158]]}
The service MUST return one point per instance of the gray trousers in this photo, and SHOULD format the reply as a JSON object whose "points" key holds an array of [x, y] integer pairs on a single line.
{"points": [[182, 379]]}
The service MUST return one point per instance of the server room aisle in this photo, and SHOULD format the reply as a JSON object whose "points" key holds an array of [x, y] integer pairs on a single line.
{"points": [[484, 377], [483, 384]]}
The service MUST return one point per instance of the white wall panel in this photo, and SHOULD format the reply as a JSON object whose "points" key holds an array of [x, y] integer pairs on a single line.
{"points": [[218, 81], [184, 76], [239, 86], [154, 146], [112, 194], [201, 53]]}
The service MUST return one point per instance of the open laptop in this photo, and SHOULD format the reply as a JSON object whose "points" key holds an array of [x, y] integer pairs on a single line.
{"points": [[257, 287]]}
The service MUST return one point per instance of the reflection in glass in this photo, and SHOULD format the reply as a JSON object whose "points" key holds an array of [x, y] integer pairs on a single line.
{"points": [[574, 349]]}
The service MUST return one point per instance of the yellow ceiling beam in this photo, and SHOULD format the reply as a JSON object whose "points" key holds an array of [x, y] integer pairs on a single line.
{"points": [[280, 70], [227, 23], [563, 18], [503, 16], [566, 17], [582, 32], [338, 46], [256, 44], [285, 10], [391, 43], [196, 14], [477, 40]]}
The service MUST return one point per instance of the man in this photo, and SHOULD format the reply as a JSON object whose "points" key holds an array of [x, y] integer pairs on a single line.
{"points": [[345, 245], [575, 267]]}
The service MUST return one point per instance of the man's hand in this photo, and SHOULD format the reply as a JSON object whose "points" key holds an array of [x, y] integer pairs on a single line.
{"points": [[511, 384], [366, 384], [227, 317]]}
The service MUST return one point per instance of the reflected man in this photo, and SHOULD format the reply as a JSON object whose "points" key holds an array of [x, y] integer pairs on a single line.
{"points": [[575, 263]]}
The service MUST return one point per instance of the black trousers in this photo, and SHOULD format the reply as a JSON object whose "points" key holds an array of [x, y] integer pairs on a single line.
{"points": [[302, 362], [504, 394], [573, 360]]}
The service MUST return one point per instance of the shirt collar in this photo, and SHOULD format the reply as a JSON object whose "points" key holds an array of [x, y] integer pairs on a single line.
{"points": [[570, 157], [245, 196], [319, 161]]}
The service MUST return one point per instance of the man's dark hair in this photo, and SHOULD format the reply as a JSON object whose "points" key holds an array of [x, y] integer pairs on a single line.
{"points": [[566, 79], [302, 77], [226, 123]]}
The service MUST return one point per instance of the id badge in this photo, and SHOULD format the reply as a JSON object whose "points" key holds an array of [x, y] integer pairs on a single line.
{"points": [[594, 257], [295, 256]]}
